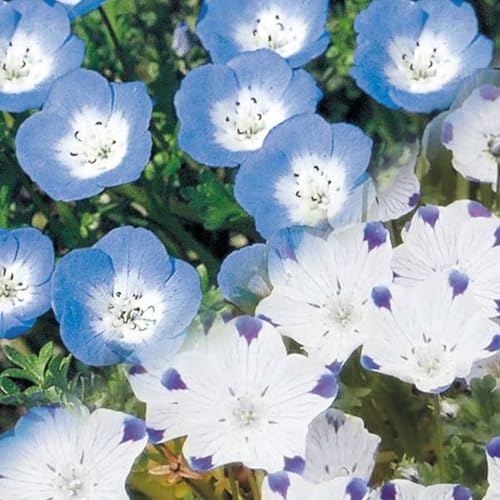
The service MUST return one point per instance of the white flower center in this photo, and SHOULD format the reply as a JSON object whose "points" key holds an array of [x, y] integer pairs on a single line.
{"points": [[242, 123], [245, 412], [22, 65], [128, 314], [421, 66], [96, 144], [272, 29], [13, 290], [315, 190], [71, 481], [345, 311]]}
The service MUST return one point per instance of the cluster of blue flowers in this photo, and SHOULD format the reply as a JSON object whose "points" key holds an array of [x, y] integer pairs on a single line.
{"points": [[327, 276]]}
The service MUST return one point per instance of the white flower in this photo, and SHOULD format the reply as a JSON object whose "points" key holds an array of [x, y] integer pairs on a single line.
{"points": [[401, 489], [339, 445], [463, 240], [56, 453], [493, 458], [428, 335], [283, 486], [321, 288], [472, 134], [238, 397]]}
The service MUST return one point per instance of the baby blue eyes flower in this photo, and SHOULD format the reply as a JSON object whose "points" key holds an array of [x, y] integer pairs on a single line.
{"points": [[308, 173], [57, 453], [294, 29], [414, 55], [90, 134], [124, 299], [493, 458], [26, 264], [33, 57], [472, 134], [226, 111], [77, 8]]}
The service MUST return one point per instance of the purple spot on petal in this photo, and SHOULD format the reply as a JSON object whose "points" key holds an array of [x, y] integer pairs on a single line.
{"points": [[375, 235], [495, 344], [265, 318], [357, 489], [279, 483], [414, 199], [201, 464], [497, 302], [295, 464], [137, 370], [326, 387], [471, 179], [497, 237], [155, 435], [493, 447], [381, 297], [388, 492], [368, 363], [335, 367], [458, 281], [134, 430], [429, 214], [172, 380], [489, 92], [461, 493], [335, 419], [475, 209], [248, 327], [446, 132]]}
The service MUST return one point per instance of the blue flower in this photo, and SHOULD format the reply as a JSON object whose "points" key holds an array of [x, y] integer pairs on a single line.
{"points": [[36, 48], [26, 264], [243, 278], [415, 55], [90, 134], [226, 111], [77, 8], [308, 173], [61, 453], [294, 29], [124, 299]]}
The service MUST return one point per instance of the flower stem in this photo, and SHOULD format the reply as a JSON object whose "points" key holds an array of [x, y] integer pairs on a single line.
{"points": [[438, 438], [235, 494], [253, 485], [202, 488]]}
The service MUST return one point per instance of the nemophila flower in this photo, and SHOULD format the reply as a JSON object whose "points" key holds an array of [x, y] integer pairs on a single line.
{"points": [[243, 278], [462, 240], [339, 445], [226, 111], [428, 335], [238, 397], [283, 486], [493, 458], [77, 8], [307, 173], [415, 54], [26, 265], [401, 489], [59, 453], [91, 134], [322, 286], [124, 299], [36, 48], [295, 29], [472, 134], [395, 188]]}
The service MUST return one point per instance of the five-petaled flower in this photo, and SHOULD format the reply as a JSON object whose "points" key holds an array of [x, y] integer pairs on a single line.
{"points": [[36, 48], [91, 134], [227, 110], [238, 397], [294, 29], [415, 54], [26, 265], [61, 453], [124, 299]]}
